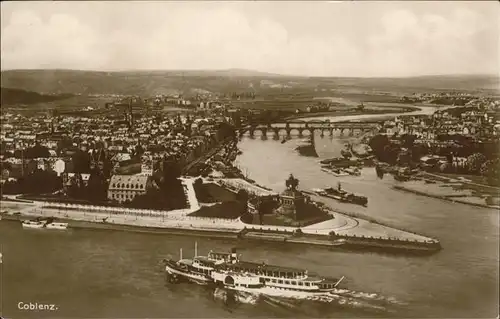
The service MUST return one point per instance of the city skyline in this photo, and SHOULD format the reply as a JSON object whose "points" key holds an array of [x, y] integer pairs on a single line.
{"points": [[345, 39]]}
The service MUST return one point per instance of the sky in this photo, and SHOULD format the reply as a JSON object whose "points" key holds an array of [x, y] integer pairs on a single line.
{"points": [[324, 38]]}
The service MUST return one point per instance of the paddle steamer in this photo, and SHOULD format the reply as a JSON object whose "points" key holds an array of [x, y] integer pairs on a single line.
{"points": [[228, 271]]}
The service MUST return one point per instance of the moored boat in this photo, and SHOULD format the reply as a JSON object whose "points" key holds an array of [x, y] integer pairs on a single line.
{"points": [[335, 172], [33, 224], [334, 160], [352, 171], [59, 226]]}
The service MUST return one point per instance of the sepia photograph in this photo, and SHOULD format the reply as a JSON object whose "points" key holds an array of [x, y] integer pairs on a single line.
{"points": [[249, 159]]}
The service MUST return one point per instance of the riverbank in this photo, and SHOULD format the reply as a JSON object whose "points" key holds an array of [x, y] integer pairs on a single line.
{"points": [[349, 113], [424, 190], [355, 233]]}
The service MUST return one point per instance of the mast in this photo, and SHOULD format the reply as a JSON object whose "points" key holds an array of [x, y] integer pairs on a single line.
{"points": [[338, 282], [22, 159], [195, 248], [180, 258]]}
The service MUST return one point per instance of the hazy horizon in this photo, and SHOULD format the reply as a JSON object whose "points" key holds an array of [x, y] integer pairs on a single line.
{"points": [[313, 39], [257, 72]]}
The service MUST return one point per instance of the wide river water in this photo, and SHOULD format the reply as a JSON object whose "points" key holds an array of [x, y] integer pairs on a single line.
{"points": [[110, 274]]}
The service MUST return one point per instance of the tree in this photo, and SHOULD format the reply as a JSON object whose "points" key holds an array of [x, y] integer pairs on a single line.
{"points": [[379, 171], [242, 196], [475, 161], [225, 130], [378, 143], [332, 235], [491, 170], [96, 188], [37, 151], [407, 140], [81, 162], [138, 151]]}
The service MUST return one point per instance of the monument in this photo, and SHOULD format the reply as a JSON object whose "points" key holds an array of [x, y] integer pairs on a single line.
{"points": [[293, 200]]}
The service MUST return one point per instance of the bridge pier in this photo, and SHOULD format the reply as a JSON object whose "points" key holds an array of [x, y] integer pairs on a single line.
{"points": [[264, 131], [276, 133]]}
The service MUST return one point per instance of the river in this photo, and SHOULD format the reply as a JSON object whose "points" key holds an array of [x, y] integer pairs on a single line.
{"points": [[97, 274]]}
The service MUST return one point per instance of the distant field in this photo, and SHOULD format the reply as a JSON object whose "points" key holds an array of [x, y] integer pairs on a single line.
{"points": [[161, 82], [294, 93]]}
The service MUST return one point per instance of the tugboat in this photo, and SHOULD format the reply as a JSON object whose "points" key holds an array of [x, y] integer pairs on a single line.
{"points": [[342, 196]]}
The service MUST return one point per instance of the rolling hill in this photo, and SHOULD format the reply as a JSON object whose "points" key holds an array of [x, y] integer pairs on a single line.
{"points": [[11, 96], [147, 83]]}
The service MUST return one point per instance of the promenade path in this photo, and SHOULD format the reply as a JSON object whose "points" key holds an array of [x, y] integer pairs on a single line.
{"points": [[190, 193], [341, 224]]}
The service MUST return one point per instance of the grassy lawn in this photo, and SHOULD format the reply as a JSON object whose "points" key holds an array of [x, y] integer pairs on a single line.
{"points": [[229, 210], [212, 193], [280, 220]]}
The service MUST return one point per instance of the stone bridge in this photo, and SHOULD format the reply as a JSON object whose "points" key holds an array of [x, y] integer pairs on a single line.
{"points": [[299, 127]]}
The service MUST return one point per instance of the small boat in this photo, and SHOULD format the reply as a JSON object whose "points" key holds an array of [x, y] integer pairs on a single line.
{"points": [[33, 224], [353, 171], [319, 191], [334, 160], [335, 172], [60, 226]]}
